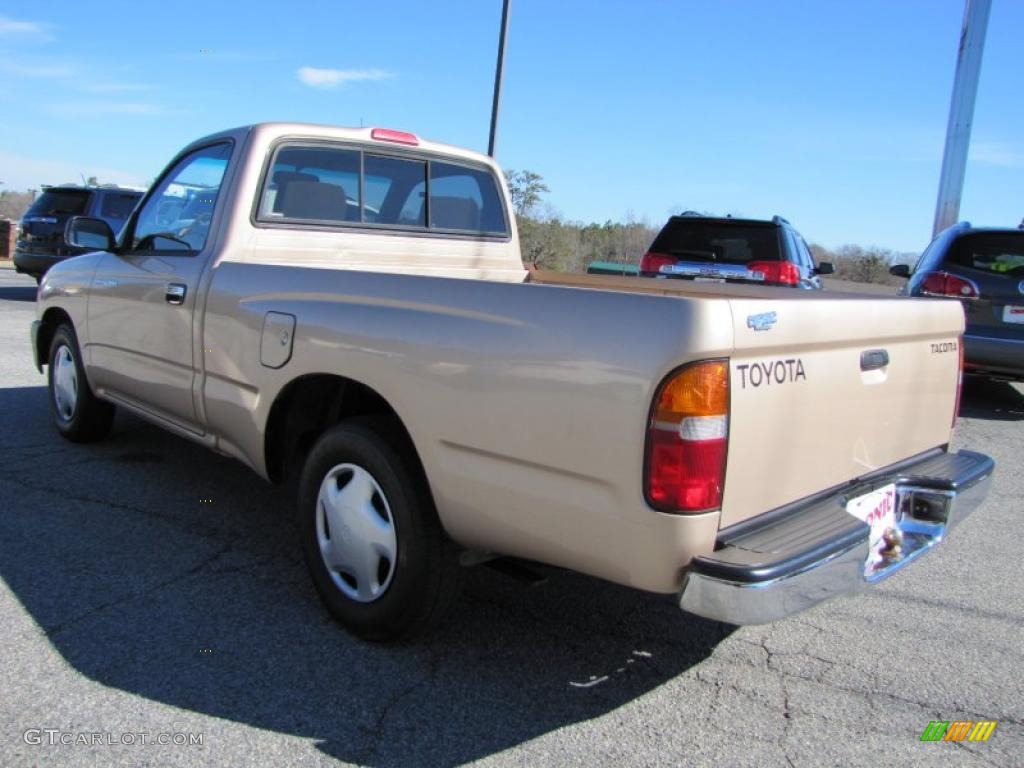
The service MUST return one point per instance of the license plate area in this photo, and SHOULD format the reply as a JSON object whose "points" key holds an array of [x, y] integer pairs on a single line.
{"points": [[878, 509], [1013, 314]]}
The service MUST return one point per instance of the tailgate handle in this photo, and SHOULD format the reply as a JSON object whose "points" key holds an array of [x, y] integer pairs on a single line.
{"points": [[872, 359]]}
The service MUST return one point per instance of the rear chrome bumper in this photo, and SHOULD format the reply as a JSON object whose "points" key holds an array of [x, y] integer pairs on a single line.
{"points": [[785, 563]]}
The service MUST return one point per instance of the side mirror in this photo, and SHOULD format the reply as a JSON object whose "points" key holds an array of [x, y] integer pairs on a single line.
{"points": [[825, 268], [900, 270], [93, 234]]}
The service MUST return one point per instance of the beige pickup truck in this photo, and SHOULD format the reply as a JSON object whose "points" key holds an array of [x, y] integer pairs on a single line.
{"points": [[348, 309]]}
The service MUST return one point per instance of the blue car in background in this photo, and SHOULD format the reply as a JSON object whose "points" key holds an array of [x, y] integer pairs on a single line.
{"points": [[983, 268], [41, 244]]}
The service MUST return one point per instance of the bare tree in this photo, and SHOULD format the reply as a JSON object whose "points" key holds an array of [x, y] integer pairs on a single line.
{"points": [[526, 188]]}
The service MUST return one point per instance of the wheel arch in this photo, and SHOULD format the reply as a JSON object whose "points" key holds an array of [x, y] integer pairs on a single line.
{"points": [[51, 320], [312, 403]]}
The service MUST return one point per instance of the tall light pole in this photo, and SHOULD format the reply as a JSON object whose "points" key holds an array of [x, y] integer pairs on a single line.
{"points": [[498, 71], [961, 113]]}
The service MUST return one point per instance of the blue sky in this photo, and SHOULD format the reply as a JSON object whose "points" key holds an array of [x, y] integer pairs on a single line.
{"points": [[831, 114]]}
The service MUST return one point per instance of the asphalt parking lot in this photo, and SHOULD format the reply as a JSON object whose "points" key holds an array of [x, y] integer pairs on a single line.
{"points": [[129, 606]]}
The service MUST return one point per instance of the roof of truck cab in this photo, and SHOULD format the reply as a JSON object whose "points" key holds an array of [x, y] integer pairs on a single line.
{"points": [[267, 132]]}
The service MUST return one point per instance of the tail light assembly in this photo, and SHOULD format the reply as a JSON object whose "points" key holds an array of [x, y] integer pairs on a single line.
{"points": [[687, 437], [783, 272], [944, 284], [651, 263]]}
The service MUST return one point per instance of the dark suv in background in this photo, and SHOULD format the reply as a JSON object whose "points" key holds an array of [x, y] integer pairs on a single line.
{"points": [[984, 269], [705, 248], [41, 243]]}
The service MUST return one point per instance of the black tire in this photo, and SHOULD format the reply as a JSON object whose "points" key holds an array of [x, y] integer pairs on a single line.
{"points": [[424, 581], [89, 419]]}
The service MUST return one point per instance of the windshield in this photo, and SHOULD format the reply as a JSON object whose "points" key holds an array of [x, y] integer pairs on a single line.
{"points": [[693, 239], [54, 202]]}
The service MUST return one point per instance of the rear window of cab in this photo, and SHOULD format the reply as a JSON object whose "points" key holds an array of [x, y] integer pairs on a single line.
{"points": [[327, 185]]}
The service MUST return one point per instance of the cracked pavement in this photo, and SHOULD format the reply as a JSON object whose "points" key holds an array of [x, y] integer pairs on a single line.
{"points": [[128, 606]]}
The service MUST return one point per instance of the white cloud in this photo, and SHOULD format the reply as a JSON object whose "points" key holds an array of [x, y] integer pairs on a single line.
{"points": [[14, 28], [24, 172], [106, 108], [999, 154], [332, 78]]}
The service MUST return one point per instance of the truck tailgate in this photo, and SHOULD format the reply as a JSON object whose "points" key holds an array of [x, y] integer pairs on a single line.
{"points": [[832, 390]]}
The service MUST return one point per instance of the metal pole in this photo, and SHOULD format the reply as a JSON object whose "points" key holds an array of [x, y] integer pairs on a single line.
{"points": [[499, 69], [961, 113]]}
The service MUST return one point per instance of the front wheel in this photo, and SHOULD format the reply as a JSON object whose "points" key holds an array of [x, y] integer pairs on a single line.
{"points": [[79, 415], [371, 538]]}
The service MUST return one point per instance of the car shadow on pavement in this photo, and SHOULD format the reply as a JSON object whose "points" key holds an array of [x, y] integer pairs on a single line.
{"points": [[158, 568], [989, 399], [18, 293]]}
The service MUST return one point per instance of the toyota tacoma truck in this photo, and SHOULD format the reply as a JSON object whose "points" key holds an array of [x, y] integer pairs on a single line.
{"points": [[347, 311]]}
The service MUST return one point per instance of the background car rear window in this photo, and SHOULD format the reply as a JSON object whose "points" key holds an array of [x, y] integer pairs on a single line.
{"points": [[691, 239], [1002, 253], [313, 184], [57, 201], [465, 199]]}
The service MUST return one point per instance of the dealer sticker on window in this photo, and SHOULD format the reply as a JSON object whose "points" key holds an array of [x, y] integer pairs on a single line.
{"points": [[877, 509]]}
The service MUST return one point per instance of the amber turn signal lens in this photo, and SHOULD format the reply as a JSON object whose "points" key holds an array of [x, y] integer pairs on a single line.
{"points": [[697, 390]]}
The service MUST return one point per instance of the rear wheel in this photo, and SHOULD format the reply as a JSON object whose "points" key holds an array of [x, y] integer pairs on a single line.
{"points": [[78, 414], [373, 543]]}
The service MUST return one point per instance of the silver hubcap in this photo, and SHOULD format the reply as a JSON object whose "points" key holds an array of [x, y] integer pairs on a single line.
{"points": [[65, 383], [356, 532]]}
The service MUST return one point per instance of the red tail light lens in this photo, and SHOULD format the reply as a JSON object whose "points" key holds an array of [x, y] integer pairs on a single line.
{"points": [[784, 272], [687, 439], [653, 262], [945, 284]]}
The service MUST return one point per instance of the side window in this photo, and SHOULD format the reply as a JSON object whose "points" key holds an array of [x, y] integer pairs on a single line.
{"points": [[312, 183], [390, 184], [929, 252], [805, 253], [118, 205], [176, 217], [464, 199]]}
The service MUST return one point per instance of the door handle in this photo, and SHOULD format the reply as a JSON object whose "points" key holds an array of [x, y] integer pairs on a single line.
{"points": [[175, 293]]}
